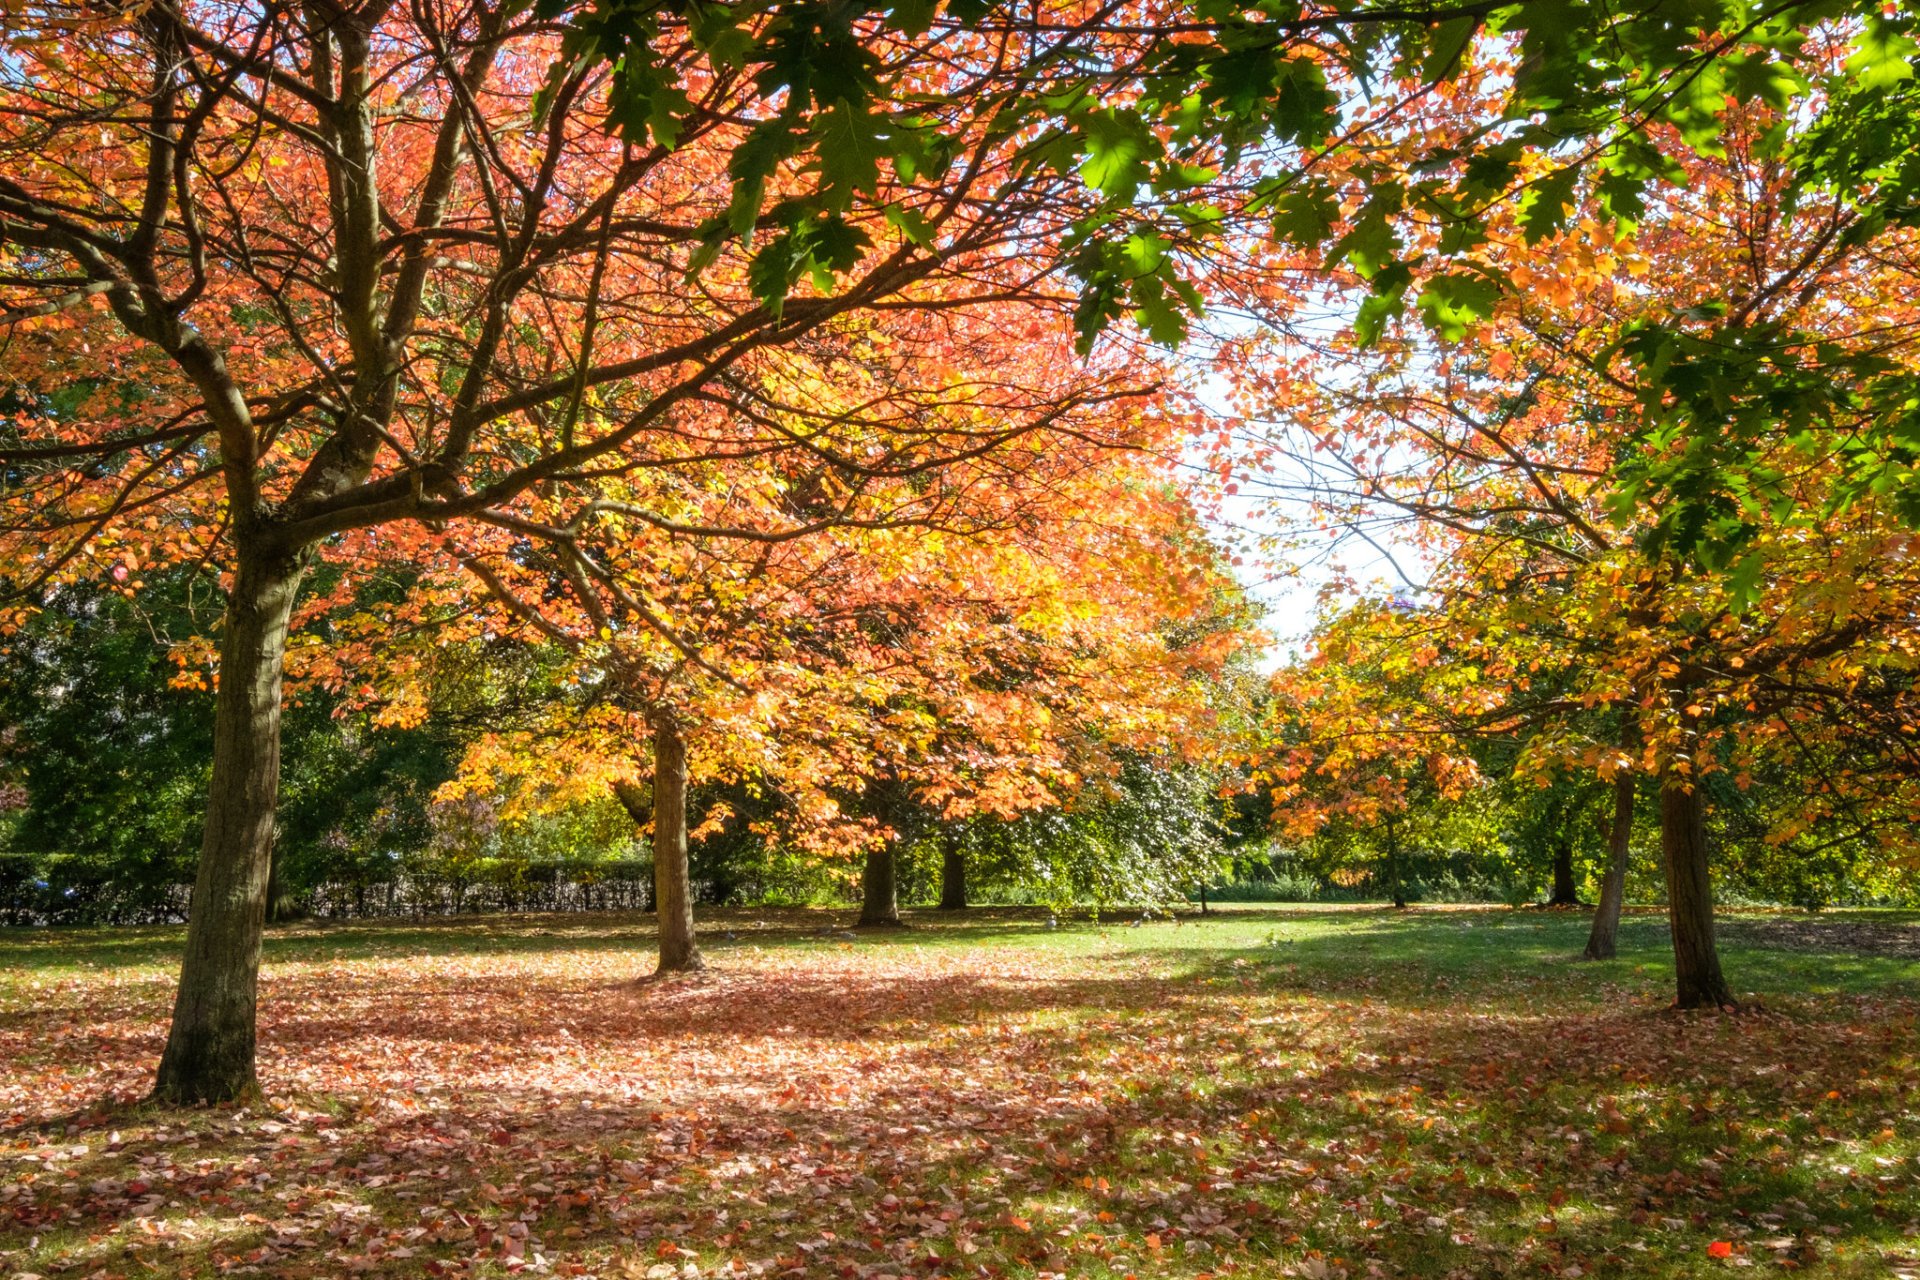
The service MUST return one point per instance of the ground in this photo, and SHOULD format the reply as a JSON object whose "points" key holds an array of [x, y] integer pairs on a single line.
{"points": [[1280, 1091]]}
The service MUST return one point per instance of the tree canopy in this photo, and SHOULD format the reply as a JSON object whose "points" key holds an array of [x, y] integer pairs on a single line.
{"points": [[791, 423]]}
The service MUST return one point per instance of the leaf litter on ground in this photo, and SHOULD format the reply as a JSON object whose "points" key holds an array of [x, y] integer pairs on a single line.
{"points": [[1377, 1096]]}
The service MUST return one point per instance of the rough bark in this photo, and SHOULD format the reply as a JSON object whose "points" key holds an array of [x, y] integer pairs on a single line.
{"points": [[1602, 937], [879, 890], [210, 1046], [672, 883], [953, 878], [1683, 844]]}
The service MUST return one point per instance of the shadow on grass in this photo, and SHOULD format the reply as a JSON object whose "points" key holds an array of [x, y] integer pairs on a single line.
{"points": [[1240, 1106], [1865, 933], [107, 946]]}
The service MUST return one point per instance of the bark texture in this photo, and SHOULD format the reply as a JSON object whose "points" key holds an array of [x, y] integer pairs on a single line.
{"points": [[210, 1045], [1602, 938], [953, 878], [1683, 844], [879, 890], [672, 882]]}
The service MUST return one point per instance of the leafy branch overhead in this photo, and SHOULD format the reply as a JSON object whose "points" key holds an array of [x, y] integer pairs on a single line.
{"points": [[847, 102]]}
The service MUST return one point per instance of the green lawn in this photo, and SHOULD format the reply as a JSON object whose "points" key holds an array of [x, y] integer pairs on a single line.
{"points": [[1272, 1090]]}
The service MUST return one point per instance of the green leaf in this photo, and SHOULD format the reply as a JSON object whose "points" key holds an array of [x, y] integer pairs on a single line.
{"points": [[1305, 110], [1883, 55], [1452, 304], [774, 271], [919, 151], [713, 238], [1240, 82], [1389, 299], [1543, 206], [714, 29], [1101, 293], [914, 17], [1306, 216], [645, 99], [1159, 311], [911, 223], [834, 246], [1371, 244], [753, 162], [1445, 44], [1491, 170], [1145, 250], [1116, 149], [848, 144]]}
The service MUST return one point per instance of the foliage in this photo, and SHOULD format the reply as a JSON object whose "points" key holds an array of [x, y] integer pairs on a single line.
{"points": [[1560, 630], [1149, 836], [109, 754], [108, 758]]}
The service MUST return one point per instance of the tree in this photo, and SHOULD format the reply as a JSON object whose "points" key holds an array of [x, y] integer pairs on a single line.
{"points": [[1603, 937], [1569, 594], [344, 281], [334, 294], [1354, 762], [984, 638]]}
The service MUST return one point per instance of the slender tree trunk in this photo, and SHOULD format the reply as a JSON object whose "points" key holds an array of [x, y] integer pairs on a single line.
{"points": [[210, 1046], [1564, 894], [1393, 866], [953, 877], [672, 882], [1683, 844], [276, 892], [1613, 887], [879, 889]]}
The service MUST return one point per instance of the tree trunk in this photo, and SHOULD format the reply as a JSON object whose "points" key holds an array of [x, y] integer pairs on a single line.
{"points": [[1564, 894], [210, 1046], [672, 882], [1393, 866], [879, 889], [1613, 887], [1683, 844], [278, 906], [953, 877]]}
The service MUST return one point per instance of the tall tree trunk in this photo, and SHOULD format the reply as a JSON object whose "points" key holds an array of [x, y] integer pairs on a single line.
{"points": [[210, 1046], [1683, 844], [879, 889], [278, 908], [672, 882], [1613, 887], [1393, 866], [1564, 894], [953, 877]]}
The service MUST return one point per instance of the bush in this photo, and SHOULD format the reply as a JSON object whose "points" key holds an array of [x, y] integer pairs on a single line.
{"points": [[1283, 886]]}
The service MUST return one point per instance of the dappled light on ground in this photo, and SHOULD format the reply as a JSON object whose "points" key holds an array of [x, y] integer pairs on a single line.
{"points": [[1267, 1092]]}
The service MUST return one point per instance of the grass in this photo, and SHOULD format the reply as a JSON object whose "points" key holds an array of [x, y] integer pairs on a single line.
{"points": [[1272, 1090]]}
